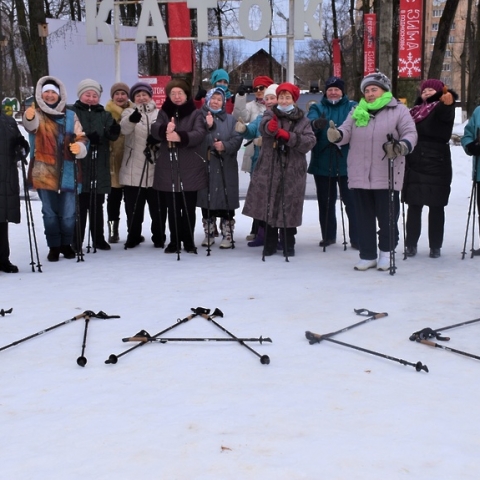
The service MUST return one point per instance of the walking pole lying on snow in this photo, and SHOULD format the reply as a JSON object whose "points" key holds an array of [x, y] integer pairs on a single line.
{"points": [[264, 359], [317, 338], [143, 336], [4, 312], [427, 333], [433, 344], [86, 313], [113, 359]]}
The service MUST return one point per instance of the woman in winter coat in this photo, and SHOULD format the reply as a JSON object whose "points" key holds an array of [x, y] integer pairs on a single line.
{"points": [[277, 189], [220, 79], [138, 165], [100, 128], [219, 199], [428, 172], [328, 164], [471, 145], [180, 172], [368, 129], [13, 147], [116, 105], [56, 138]]}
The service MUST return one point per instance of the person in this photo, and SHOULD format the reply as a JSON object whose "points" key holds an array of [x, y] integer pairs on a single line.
{"points": [[328, 164], [368, 128], [100, 128], [221, 197], [179, 171], [277, 189], [136, 172], [56, 140], [471, 144], [428, 172], [252, 132], [119, 93], [13, 147], [220, 79]]}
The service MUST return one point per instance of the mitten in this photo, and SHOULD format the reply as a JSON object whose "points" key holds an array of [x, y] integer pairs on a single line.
{"points": [[320, 123], [283, 135], [272, 125], [23, 144], [94, 138], [334, 135], [473, 148], [447, 97], [151, 140], [114, 129], [202, 93], [242, 90], [257, 141], [135, 117], [240, 126], [30, 112], [74, 148], [401, 148]]}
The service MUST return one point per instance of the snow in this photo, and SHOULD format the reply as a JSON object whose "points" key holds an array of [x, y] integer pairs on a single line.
{"points": [[204, 411]]}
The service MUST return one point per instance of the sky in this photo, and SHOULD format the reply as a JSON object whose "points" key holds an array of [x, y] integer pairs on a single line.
{"points": [[211, 410]]}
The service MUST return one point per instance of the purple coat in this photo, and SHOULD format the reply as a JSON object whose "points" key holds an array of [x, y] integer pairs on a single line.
{"points": [[367, 165]]}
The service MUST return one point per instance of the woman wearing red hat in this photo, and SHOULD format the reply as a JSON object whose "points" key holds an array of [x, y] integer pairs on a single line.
{"points": [[277, 189], [428, 173]]}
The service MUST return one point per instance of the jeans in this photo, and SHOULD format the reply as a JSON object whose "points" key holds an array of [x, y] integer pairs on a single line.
{"points": [[58, 210]]}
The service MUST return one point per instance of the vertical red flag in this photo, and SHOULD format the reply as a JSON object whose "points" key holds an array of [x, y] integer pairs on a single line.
{"points": [[410, 39], [179, 26], [337, 58], [369, 43]]}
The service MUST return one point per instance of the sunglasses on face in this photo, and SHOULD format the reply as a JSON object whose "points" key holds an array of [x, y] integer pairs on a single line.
{"points": [[261, 88]]}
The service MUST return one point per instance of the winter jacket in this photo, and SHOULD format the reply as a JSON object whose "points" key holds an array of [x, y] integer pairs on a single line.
{"points": [[253, 133], [137, 163], [272, 186], [184, 162], [367, 165], [117, 146], [428, 173], [52, 129], [96, 165], [10, 137], [223, 129], [471, 134], [326, 160]]}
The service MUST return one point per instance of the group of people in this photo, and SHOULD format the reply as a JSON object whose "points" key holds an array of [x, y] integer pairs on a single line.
{"points": [[183, 155]]}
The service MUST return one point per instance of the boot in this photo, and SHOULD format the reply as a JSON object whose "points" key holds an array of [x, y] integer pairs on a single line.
{"points": [[53, 254], [113, 236], [67, 251], [290, 248], [209, 229], [227, 228], [383, 263], [270, 247], [259, 239]]}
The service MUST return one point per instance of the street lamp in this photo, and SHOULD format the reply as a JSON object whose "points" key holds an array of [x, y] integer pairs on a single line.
{"points": [[290, 42]]}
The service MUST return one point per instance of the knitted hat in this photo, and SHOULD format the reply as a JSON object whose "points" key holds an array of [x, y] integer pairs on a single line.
{"points": [[262, 80], [335, 82], [51, 86], [289, 87], [377, 78], [140, 87], [217, 75], [271, 90], [437, 85], [179, 83], [119, 86], [89, 84]]}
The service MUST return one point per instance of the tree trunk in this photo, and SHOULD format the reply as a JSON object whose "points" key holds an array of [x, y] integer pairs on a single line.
{"points": [[473, 94]]}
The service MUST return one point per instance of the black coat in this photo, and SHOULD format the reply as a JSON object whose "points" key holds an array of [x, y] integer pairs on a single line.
{"points": [[10, 137], [428, 173]]}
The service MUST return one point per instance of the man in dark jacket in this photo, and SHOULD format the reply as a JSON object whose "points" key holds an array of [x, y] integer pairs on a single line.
{"points": [[12, 147]]}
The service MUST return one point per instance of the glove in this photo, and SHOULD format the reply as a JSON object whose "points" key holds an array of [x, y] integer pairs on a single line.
{"points": [[30, 112], [242, 90], [135, 117], [447, 97], [320, 123], [22, 144], [74, 148], [272, 125], [94, 138], [395, 149], [240, 126], [202, 93], [257, 141], [334, 135], [152, 141], [114, 129], [473, 148], [282, 135]]}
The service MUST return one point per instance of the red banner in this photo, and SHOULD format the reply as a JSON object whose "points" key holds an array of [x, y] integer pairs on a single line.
{"points": [[410, 39], [369, 43], [179, 26], [337, 58], [158, 84]]}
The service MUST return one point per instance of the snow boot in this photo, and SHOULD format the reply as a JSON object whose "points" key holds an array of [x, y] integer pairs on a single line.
{"points": [[209, 229], [113, 236], [383, 263], [259, 239], [363, 264], [227, 227]]}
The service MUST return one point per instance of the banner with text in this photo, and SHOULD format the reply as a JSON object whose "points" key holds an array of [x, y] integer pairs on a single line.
{"points": [[337, 58], [410, 39], [369, 42]]}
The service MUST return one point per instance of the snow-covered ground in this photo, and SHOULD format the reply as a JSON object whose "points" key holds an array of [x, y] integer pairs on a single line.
{"points": [[198, 410]]}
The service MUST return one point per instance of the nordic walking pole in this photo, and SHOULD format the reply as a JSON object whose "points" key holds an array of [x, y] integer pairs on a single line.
{"points": [[214, 339], [317, 338], [329, 189], [207, 161], [472, 200], [78, 229], [222, 172], [272, 167], [391, 207], [264, 359], [113, 359], [404, 232], [418, 366], [81, 360], [454, 350], [430, 333], [4, 312], [174, 202], [341, 203], [282, 156]]}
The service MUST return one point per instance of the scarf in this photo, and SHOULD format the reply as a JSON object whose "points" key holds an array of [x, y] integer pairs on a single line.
{"points": [[361, 113], [422, 111]]}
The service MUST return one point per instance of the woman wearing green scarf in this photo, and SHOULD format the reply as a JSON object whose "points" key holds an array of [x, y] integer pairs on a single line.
{"points": [[367, 130]]}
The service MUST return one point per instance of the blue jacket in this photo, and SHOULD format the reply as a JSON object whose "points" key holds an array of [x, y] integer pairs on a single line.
{"points": [[324, 156], [470, 134]]}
